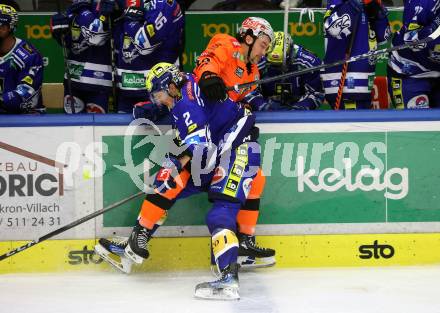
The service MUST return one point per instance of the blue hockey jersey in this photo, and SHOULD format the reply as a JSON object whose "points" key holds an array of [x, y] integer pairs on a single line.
{"points": [[198, 121], [300, 92], [141, 44], [21, 78], [420, 19], [339, 25], [89, 53]]}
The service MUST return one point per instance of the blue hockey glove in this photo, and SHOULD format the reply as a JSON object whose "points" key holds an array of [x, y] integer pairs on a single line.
{"points": [[105, 7], [59, 24], [165, 177], [146, 109]]}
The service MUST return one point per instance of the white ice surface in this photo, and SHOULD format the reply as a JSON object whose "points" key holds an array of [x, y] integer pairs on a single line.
{"points": [[372, 290]]}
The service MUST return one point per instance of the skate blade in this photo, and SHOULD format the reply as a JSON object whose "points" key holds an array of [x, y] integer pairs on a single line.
{"points": [[119, 262], [248, 263], [224, 294]]}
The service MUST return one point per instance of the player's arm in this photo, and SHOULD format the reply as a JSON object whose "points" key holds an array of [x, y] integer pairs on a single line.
{"points": [[256, 101], [24, 98], [377, 16], [208, 69], [193, 137], [193, 131], [419, 23], [314, 95], [94, 24], [150, 29]]}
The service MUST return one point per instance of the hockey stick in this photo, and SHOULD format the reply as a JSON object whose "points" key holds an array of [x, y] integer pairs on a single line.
{"points": [[345, 66], [355, 58], [69, 226], [66, 67]]}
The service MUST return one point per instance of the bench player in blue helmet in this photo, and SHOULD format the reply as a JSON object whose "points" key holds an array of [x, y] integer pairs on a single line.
{"points": [[21, 68], [218, 154], [84, 30], [413, 74], [148, 32], [295, 93]]}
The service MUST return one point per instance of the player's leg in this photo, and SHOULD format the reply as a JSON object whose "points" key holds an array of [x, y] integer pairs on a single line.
{"points": [[228, 193], [251, 255], [152, 214], [221, 221]]}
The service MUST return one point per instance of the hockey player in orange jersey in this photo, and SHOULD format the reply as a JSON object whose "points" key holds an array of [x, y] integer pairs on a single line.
{"points": [[228, 61]]}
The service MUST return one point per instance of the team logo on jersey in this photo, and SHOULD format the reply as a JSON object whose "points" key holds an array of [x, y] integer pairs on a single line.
{"points": [[336, 25], [247, 183], [239, 72], [88, 38], [422, 101], [139, 45]]}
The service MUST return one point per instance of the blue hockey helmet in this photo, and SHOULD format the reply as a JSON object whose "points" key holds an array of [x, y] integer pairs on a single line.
{"points": [[8, 16], [161, 76]]}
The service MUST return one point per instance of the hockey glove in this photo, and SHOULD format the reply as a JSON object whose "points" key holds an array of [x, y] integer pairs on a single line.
{"points": [[59, 25], [213, 87], [146, 109], [105, 7], [134, 14], [165, 177]]}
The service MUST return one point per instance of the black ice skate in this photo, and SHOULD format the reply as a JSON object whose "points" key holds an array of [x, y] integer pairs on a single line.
{"points": [[112, 251], [225, 288], [137, 249], [250, 255]]}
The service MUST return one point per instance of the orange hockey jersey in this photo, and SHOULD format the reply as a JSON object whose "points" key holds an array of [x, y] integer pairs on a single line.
{"points": [[224, 57]]}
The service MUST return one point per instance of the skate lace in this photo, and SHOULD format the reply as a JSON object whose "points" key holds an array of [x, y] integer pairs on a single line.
{"points": [[254, 245], [143, 238], [119, 241]]}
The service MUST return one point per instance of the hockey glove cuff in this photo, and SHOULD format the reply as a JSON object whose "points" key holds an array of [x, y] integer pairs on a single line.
{"points": [[59, 24]]}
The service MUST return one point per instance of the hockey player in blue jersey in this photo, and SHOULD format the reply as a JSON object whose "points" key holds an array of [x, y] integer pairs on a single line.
{"points": [[413, 74], [84, 30], [148, 32], [221, 139], [367, 21], [296, 93], [21, 69]]}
